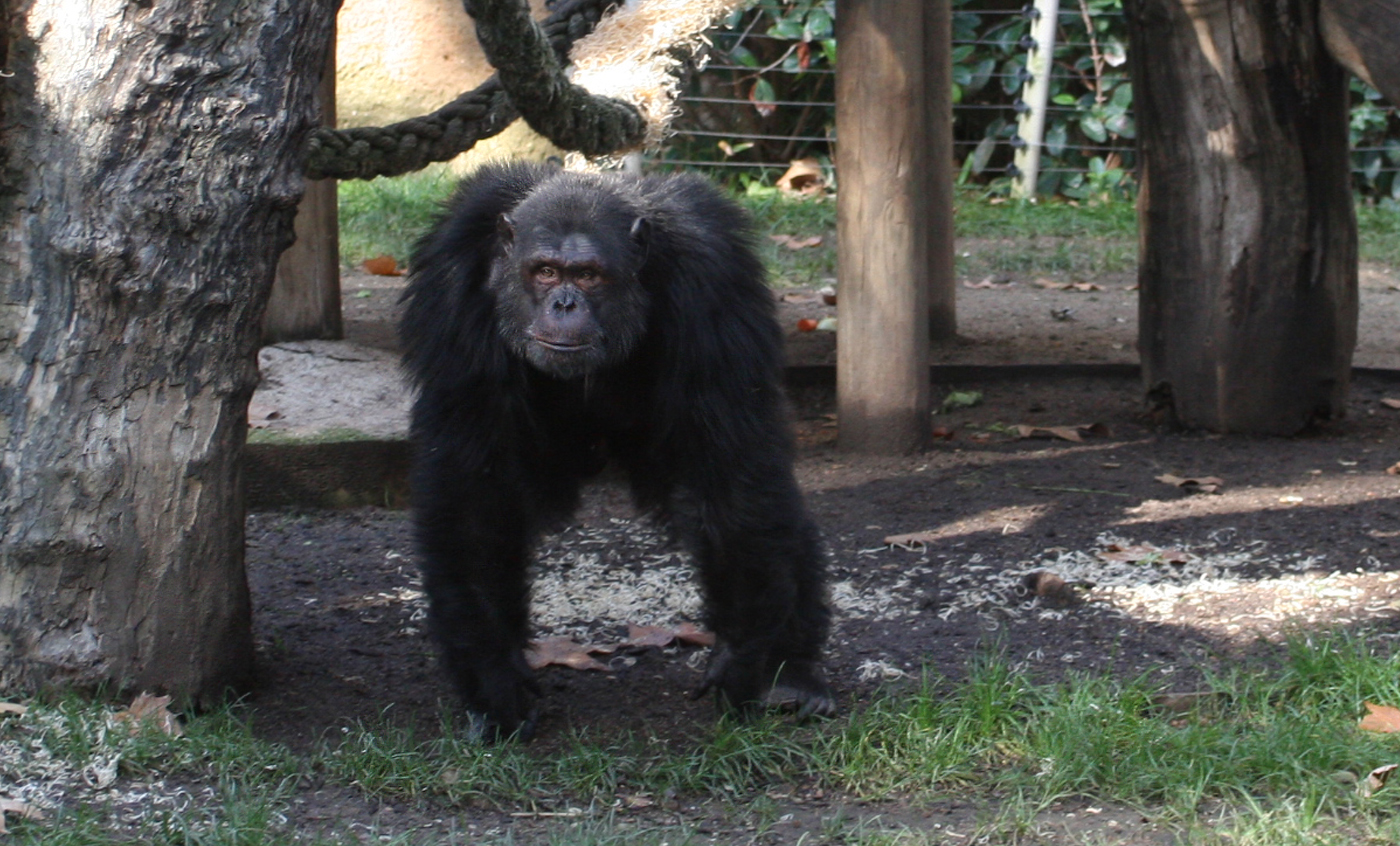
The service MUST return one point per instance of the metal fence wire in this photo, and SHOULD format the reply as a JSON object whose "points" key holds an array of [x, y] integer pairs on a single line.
{"points": [[756, 105]]}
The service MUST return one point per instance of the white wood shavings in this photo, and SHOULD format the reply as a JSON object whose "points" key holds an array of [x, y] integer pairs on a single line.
{"points": [[1236, 586]]}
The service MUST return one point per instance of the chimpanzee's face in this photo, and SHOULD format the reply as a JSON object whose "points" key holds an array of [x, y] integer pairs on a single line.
{"points": [[568, 299]]}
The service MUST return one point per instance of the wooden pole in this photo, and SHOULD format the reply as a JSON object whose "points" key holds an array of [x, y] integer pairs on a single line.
{"points": [[305, 302], [938, 95], [882, 221]]}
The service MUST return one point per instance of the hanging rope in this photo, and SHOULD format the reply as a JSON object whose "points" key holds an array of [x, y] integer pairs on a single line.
{"points": [[622, 96], [367, 152]]}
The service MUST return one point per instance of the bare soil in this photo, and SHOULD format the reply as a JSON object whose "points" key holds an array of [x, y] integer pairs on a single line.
{"points": [[1161, 580]]}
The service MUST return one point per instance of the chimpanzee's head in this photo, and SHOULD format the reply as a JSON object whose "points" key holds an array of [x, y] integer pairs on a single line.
{"points": [[566, 278]]}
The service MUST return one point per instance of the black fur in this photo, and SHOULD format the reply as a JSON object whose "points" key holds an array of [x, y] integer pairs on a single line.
{"points": [[683, 392]]}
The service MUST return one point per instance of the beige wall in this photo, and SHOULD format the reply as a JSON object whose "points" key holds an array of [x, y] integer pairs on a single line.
{"points": [[397, 59]]}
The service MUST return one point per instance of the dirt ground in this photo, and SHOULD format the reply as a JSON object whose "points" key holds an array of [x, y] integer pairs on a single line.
{"points": [[1161, 578]]}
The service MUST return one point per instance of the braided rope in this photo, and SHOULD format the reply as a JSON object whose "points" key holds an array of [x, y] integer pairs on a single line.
{"points": [[367, 152]]}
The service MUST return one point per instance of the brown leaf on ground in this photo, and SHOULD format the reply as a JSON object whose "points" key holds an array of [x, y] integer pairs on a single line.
{"points": [[1066, 433], [686, 634], [804, 176], [1083, 286], [795, 242], [150, 710], [563, 652], [382, 266], [1390, 402], [692, 635], [1192, 484], [20, 809], [1393, 470], [1375, 779], [1382, 718], [989, 283]]}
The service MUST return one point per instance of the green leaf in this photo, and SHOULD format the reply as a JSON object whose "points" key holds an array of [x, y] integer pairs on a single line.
{"points": [[1093, 128], [983, 153], [1056, 138], [1123, 96]]}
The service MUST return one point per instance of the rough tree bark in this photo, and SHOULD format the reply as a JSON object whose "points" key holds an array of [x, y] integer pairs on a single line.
{"points": [[1248, 257], [151, 169]]}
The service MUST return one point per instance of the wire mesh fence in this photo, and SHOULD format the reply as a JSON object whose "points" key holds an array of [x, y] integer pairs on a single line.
{"points": [[766, 98]]}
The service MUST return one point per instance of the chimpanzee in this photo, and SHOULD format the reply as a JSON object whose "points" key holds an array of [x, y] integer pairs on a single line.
{"points": [[557, 320]]}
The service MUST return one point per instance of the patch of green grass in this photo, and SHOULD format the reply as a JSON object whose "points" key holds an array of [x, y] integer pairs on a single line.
{"points": [[976, 217], [1379, 234], [386, 215], [1260, 760]]}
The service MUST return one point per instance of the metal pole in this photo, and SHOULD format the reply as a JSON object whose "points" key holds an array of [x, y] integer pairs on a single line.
{"points": [[1035, 96]]}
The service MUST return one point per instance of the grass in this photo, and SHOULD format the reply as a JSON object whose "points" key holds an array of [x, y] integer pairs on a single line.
{"points": [[1261, 762], [385, 216]]}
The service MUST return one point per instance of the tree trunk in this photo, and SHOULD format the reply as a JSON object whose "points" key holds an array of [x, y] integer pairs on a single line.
{"points": [[151, 171], [1248, 238], [305, 302], [882, 224]]}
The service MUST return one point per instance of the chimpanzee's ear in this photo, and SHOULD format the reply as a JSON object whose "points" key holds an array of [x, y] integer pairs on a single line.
{"points": [[641, 234], [505, 229]]}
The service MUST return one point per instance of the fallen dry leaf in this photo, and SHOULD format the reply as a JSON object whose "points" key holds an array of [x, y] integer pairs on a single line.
{"points": [[657, 636], [19, 809], [1067, 433], [382, 266], [793, 242], [1083, 286], [1383, 718], [1393, 470], [1388, 402], [807, 324], [1048, 284], [989, 283], [13, 708], [146, 709], [1375, 779], [687, 634], [804, 176], [563, 652], [1193, 484]]}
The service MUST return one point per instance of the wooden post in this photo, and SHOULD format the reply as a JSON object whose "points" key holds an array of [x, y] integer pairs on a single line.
{"points": [[882, 221], [305, 301], [1247, 312], [938, 95]]}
